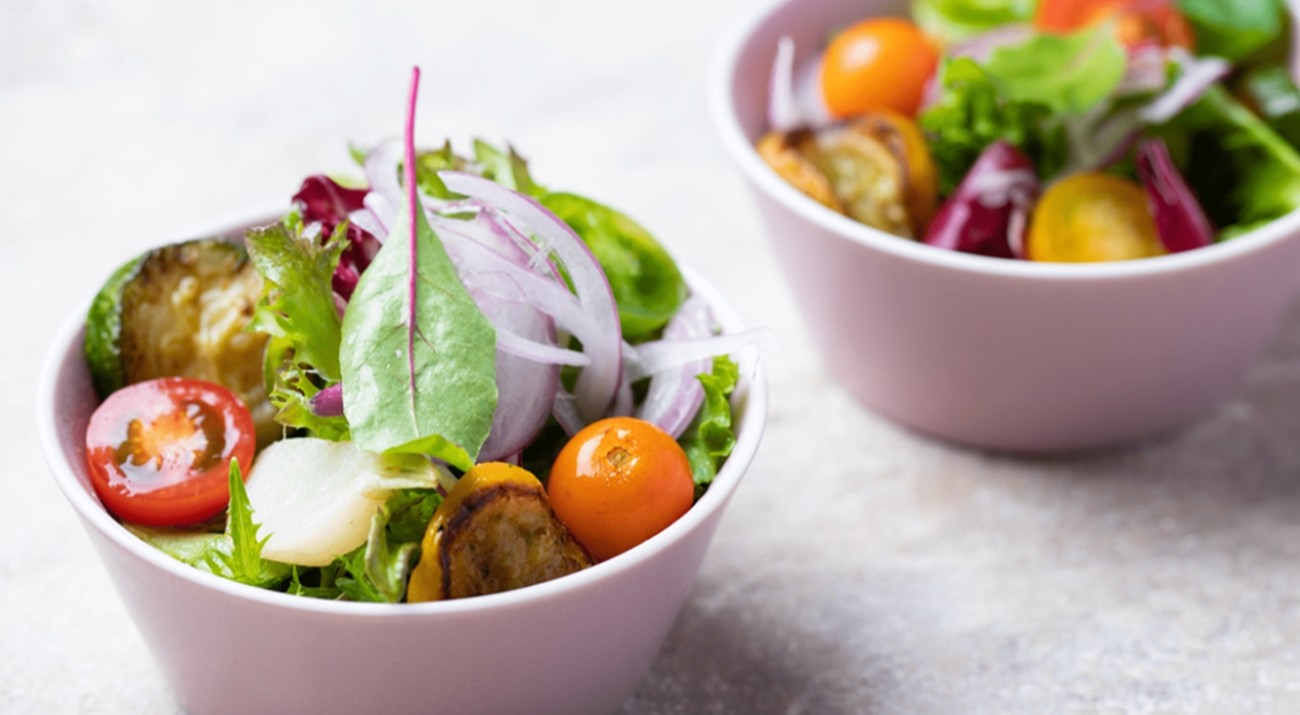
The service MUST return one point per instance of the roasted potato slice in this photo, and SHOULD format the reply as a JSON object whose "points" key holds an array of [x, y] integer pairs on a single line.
{"points": [[495, 532], [182, 310]]}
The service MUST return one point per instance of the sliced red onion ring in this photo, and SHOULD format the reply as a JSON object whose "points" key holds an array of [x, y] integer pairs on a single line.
{"points": [[1146, 71], [602, 341], [512, 343], [382, 172], [795, 96], [782, 111], [525, 387], [650, 358], [1180, 221], [981, 46], [675, 395], [1198, 75]]}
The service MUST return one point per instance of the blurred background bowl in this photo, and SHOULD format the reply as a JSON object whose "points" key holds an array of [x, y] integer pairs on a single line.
{"points": [[578, 644], [996, 353]]}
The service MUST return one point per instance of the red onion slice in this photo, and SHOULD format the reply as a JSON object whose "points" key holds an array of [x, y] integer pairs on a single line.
{"points": [[795, 96], [526, 388], [656, 356], [602, 340], [1180, 221], [675, 395], [782, 111], [1198, 75]]}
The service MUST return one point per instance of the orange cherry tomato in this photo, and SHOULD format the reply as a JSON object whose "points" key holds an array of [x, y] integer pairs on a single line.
{"points": [[877, 64], [1136, 21], [159, 451], [1089, 217], [617, 482]]}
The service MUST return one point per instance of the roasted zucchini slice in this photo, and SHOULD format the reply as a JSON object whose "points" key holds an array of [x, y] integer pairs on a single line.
{"points": [[876, 169], [784, 154], [494, 532], [182, 310]]}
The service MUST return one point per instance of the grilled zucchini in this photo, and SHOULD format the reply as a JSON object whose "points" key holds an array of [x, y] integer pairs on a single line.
{"points": [[182, 310]]}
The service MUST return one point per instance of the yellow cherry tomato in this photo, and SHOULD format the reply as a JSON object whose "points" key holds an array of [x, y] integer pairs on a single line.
{"points": [[1089, 217], [877, 64]]}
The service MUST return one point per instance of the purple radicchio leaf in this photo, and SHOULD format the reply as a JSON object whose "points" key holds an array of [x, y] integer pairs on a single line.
{"points": [[988, 213], [1180, 221]]}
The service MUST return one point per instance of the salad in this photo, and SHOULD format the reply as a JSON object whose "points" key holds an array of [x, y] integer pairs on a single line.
{"points": [[1047, 130], [441, 381]]}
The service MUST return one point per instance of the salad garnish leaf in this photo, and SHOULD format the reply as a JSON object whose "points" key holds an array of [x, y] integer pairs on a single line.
{"points": [[711, 437], [971, 114], [1069, 73], [418, 356]]}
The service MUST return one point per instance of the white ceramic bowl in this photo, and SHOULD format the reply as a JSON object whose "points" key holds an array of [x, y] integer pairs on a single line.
{"points": [[578, 644], [990, 352]]}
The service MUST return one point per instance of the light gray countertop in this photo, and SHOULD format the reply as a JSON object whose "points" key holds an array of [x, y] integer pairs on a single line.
{"points": [[861, 568]]}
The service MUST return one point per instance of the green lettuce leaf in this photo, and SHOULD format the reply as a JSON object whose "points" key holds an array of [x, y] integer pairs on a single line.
{"points": [[244, 562], [379, 570], [972, 113], [646, 282], [235, 553], [710, 437], [1243, 172], [1238, 29], [429, 163], [952, 20], [506, 168], [427, 387], [298, 312], [1070, 74]]}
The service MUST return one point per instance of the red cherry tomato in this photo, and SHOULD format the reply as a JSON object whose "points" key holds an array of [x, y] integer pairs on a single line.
{"points": [[159, 451], [877, 64], [617, 482], [1136, 21]]}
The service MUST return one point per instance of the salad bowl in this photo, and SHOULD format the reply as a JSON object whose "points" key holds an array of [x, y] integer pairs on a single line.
{"points": [[578, 644], [994, 353]]}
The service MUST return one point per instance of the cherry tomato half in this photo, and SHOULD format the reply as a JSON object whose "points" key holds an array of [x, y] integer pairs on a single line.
{"points": [[1136, 21], [877, 64], [617, 482], [159, 451], [1089, 217]]}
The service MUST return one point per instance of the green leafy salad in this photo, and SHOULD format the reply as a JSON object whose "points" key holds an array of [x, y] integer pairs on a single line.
{"points": [[441, 381], [1048, 130]]}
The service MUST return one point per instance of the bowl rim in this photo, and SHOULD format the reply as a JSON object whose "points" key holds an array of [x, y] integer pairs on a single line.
{"points": [[751, 394], [726, 121]]}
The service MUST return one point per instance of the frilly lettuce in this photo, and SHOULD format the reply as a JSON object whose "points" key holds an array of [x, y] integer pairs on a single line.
{"points": [[711, 436], [298, 312], [972, 112]]}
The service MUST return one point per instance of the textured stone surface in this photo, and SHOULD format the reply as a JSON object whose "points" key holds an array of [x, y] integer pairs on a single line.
{"points": [[861, 568]]}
